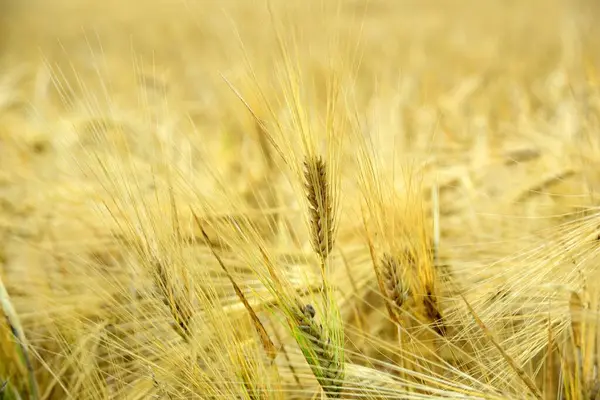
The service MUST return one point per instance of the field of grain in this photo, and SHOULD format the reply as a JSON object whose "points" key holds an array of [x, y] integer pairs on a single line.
{"points": [[299, 199]]}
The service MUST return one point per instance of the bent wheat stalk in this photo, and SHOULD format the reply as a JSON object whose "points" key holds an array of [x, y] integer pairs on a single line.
{"points": [[511, 362], [267, 343]]}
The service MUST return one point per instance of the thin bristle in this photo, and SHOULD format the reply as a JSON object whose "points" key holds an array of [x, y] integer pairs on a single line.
{"points": [[268, 345], [320, 206]]}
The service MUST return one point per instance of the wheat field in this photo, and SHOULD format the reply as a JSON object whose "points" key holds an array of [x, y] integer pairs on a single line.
{"points": [[299, 199]]}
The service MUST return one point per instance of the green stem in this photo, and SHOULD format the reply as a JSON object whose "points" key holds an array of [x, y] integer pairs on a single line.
{"points": [[17, 331]]}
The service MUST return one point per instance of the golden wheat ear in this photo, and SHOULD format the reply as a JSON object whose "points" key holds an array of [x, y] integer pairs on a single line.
{"points": [[320, 203], [432, 311], [396, 291], [179, 307]]}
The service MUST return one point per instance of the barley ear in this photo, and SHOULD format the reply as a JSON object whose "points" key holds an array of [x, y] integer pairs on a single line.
{"points": [[377, 268], [320, 203], [321, 354], [395, 290], [180, 309], [432, 310]]}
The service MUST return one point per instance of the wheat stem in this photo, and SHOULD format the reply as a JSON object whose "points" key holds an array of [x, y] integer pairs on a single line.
{"points": [[17, 330]]}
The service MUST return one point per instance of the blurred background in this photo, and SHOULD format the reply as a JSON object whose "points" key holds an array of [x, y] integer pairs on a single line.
{"points": [[493, 79]]}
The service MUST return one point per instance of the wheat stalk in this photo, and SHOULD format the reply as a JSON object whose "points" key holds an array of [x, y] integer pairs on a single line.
{"points": [[14, 323]]}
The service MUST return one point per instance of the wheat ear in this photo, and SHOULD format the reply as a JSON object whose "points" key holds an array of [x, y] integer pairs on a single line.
{"points": [[395, 289], [180, 309], [318, 351], [432, 310], [396, 292], [320, 205]]}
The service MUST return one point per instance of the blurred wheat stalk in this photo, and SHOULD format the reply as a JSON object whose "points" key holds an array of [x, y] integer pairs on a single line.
{"points": [[299, 200]]}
